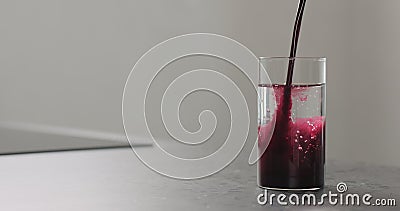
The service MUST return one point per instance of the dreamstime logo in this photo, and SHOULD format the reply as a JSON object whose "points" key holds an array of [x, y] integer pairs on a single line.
{"points": [[341, 187], [137, 109], [340, 198]]}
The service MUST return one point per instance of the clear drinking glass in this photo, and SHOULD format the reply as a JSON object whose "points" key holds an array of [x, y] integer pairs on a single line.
{"points": [[293, 148]]}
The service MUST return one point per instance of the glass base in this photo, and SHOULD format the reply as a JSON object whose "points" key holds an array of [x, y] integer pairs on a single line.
{"points": [[291, 189]]}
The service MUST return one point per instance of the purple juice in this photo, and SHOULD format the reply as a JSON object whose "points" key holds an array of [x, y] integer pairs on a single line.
{"points": [[295, 156]]}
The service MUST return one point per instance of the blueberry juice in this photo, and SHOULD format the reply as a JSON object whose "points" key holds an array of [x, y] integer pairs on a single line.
{"points": [[291, 115], [294, 155]]}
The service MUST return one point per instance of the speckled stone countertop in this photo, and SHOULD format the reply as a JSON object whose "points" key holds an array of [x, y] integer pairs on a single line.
{"points": [[115, 179]]}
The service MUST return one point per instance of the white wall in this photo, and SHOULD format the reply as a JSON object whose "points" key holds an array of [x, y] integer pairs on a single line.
{"points": [[65, 63], [373, 97]]}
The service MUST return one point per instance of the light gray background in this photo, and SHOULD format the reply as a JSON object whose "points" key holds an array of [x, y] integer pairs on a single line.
{"points": [[64, 63]]}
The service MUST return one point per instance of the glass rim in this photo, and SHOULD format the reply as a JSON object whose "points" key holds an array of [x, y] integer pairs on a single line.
{"points": [[305, 58]]}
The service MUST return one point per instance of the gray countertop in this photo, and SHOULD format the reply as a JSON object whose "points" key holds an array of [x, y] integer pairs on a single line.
{"points": [[115, 179]]}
